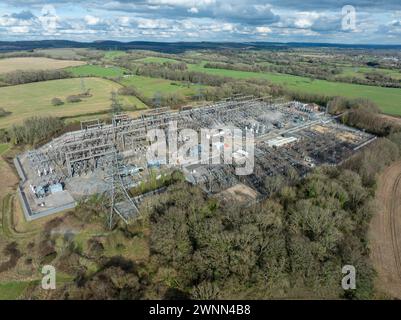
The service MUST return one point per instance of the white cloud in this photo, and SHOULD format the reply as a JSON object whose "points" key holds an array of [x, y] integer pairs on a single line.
{"points": [[19, 29], [91, 20], [183, 3], [193, 10], [242, 20], [263, 30], [305, 19], [124, 21], [151, 24]]}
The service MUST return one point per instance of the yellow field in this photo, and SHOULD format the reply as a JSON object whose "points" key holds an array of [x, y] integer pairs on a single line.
{"points": [[13, 64]]}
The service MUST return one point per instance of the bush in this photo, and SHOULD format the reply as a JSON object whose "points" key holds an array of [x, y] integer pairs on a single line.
{"points": [[73, 99], [57, 102], [127, 91], [4, 113]]}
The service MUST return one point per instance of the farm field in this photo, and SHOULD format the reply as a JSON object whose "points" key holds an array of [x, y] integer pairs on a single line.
{"points": [[62, 53], [96, 71], [157, 60], [12, 290], [110, 55], [34, 99], [149, 86], [360, 71], [13, 64], [388, 99], [4, 147]]}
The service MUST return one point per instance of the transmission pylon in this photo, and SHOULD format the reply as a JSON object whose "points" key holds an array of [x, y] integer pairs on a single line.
{"points": [[121, 203]]}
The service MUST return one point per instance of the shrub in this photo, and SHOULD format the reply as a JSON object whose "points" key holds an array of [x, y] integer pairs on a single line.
{"points": [[57, 102], [73, 99], [4, 113]]}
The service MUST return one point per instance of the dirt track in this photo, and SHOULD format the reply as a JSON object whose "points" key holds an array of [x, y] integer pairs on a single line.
{"points": [[385, 233]]}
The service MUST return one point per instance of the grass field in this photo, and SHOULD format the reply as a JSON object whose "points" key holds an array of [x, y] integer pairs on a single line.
{"points": [[34, 99], [149, 86], [13, 64], [157, 60], [12, 290], [129, 101], [96, 71], [388, 99], [3, 148], [110, 55], [360, 71], [62, 53]]}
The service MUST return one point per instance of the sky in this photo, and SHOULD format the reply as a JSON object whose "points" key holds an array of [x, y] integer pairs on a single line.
{"points": [[328, 21]]}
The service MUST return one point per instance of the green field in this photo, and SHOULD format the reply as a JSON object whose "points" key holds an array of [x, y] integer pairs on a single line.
{"points": [[157, 60], [96, 71], [388, 99], [360, 72], [34, 99], [149, 86], [110, 55], [12, 290], [4, 147]]}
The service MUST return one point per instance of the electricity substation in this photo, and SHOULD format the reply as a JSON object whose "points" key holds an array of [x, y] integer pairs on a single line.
{"points": [[112, 159]]}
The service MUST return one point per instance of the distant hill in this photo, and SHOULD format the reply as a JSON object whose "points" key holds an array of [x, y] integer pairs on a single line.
{"points": [[172, 47]]}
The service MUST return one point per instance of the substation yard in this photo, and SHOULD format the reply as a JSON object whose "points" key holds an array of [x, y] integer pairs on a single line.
{"points": [[111, 158]]}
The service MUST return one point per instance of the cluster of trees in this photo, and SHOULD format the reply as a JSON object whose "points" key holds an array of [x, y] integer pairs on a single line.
{"points": [[21, 54], [363, 114], [371, 122], [34, 130], [165, 71], [338, 105], [116, 106], [74, 98], [371, 161], [21, 77]]}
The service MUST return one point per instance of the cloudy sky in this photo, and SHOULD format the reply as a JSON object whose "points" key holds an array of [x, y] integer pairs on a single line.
{"points": [[368, 21]]}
